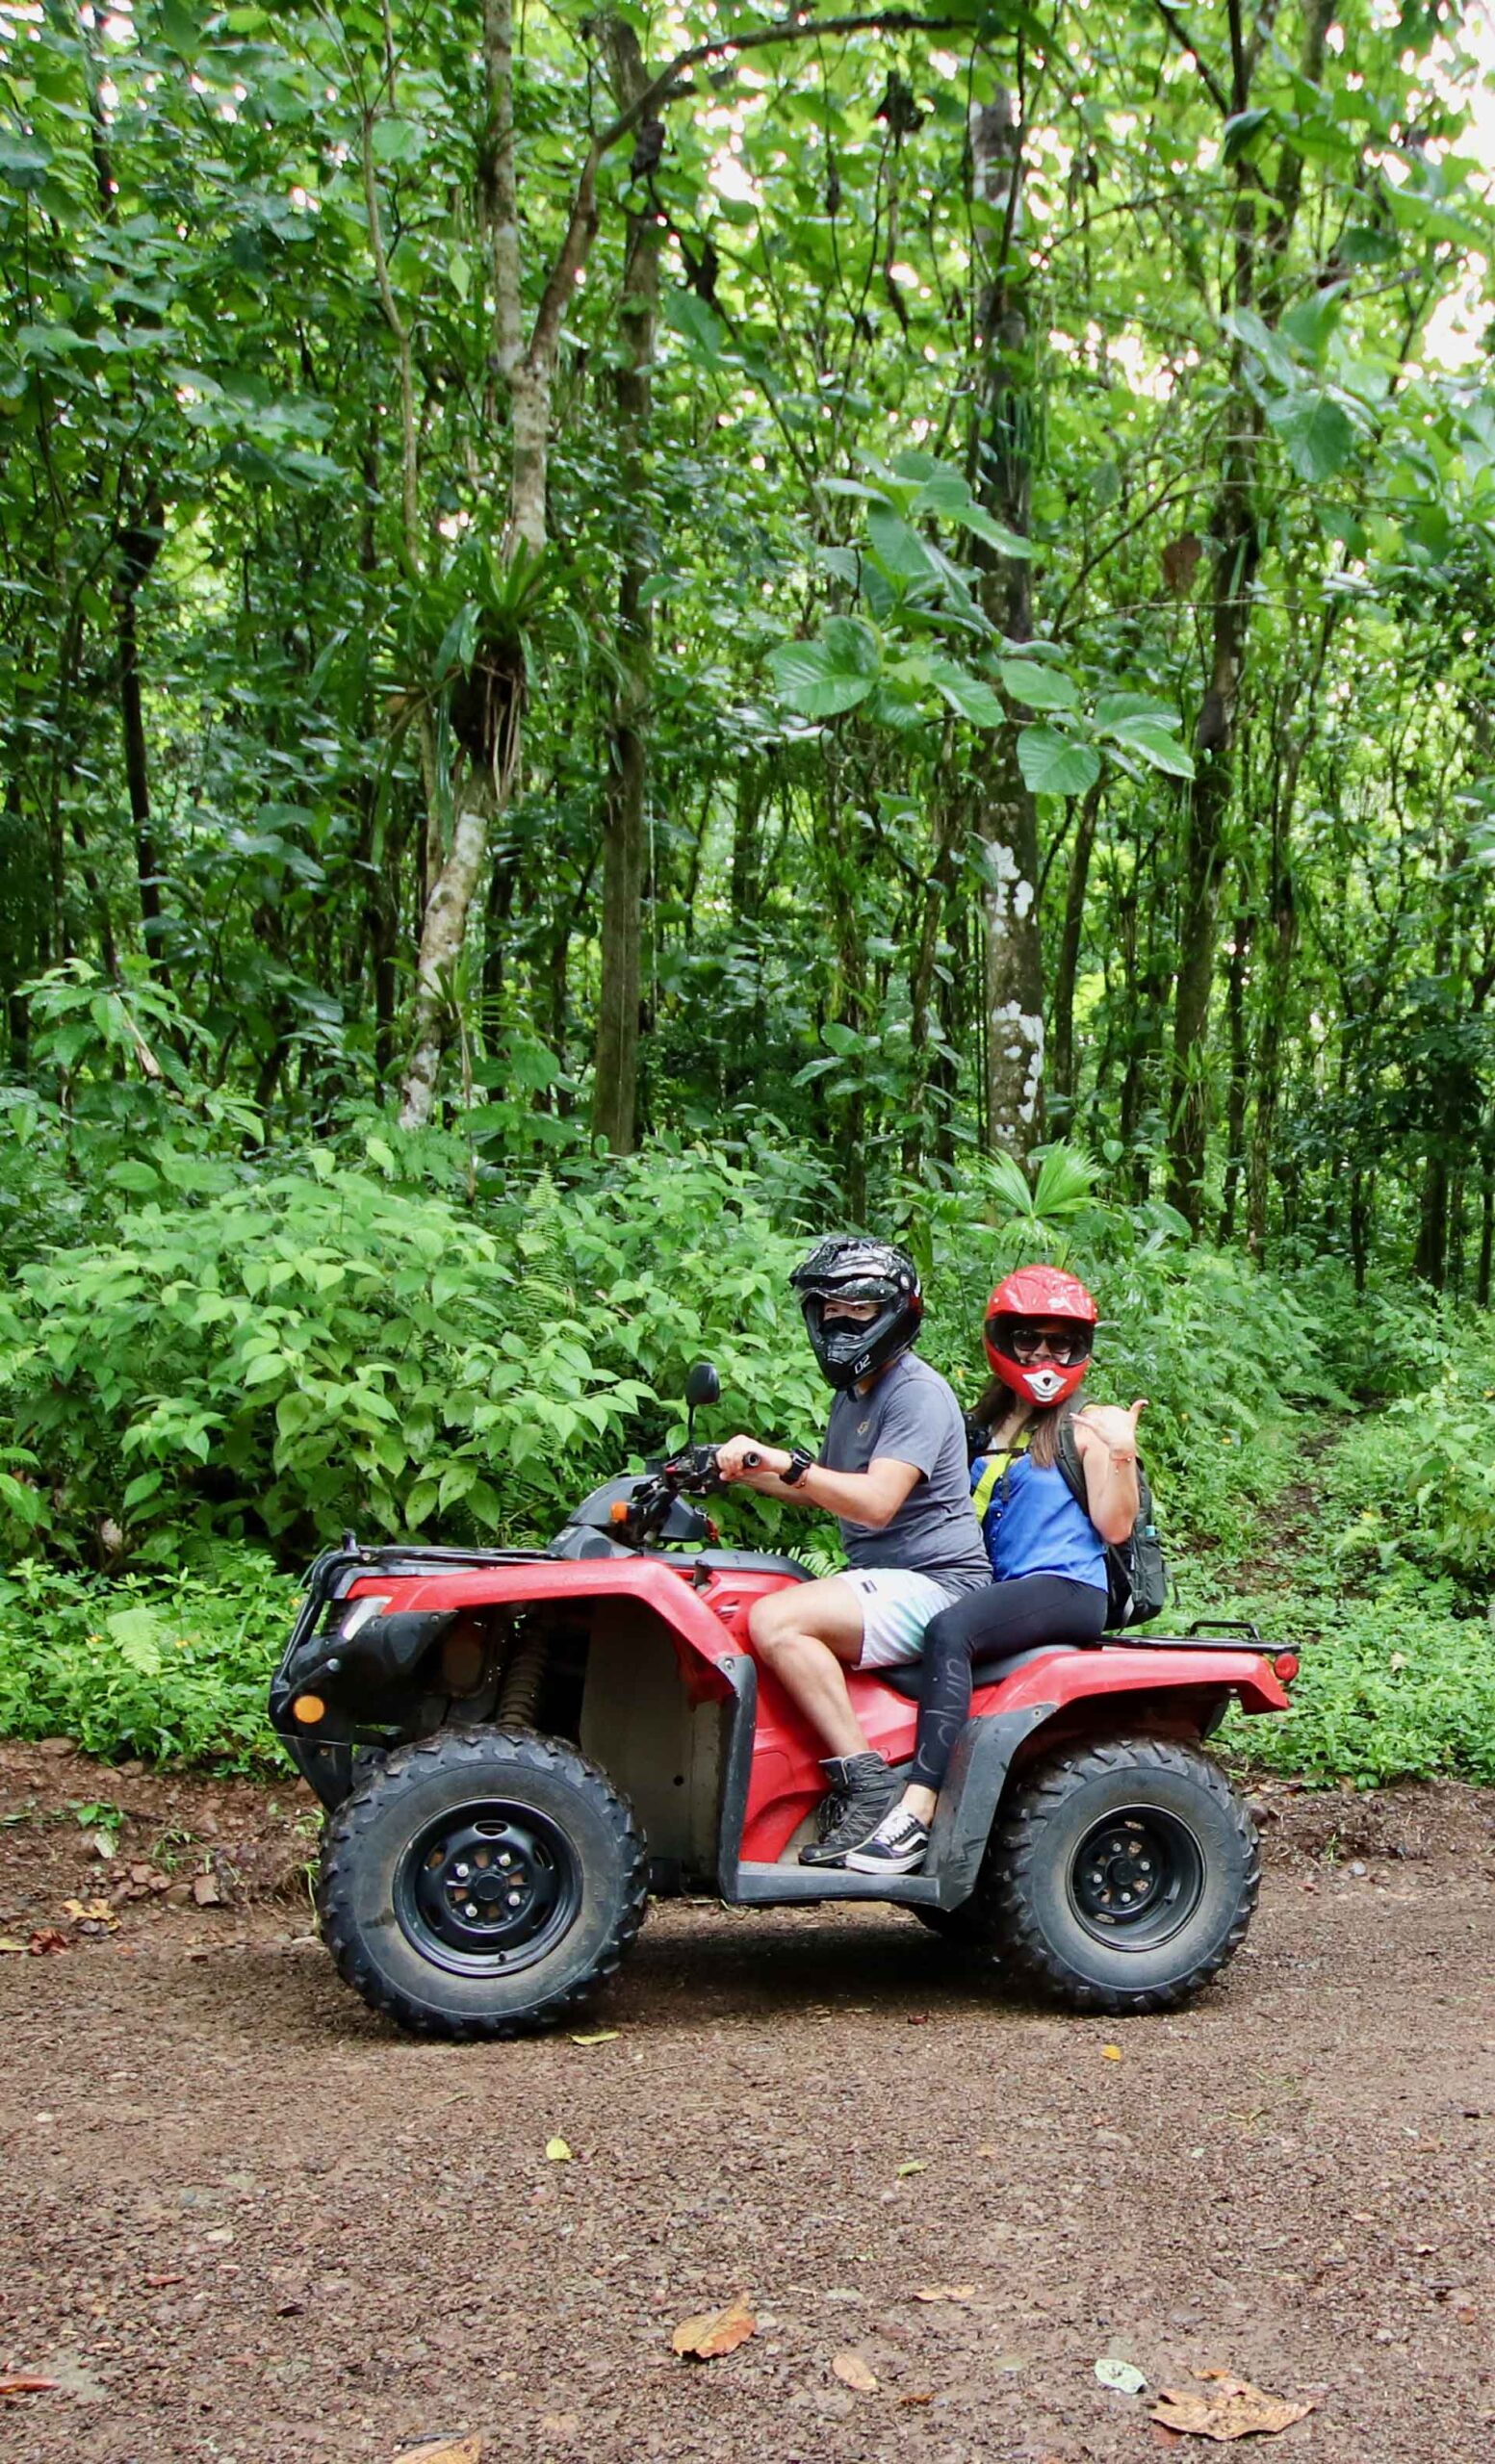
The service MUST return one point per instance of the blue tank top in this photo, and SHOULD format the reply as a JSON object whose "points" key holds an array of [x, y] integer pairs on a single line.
{"points": [[1035, 1524]]}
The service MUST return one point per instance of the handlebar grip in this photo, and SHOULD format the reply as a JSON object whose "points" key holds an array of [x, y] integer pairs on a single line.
{"points": [[752, 1461]]}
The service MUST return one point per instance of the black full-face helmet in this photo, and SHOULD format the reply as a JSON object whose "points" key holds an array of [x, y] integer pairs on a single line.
{"points": [[848, 1268]]}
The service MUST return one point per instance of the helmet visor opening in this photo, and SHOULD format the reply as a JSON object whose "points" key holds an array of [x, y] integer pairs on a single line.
{"points": [[1028, 1340]]}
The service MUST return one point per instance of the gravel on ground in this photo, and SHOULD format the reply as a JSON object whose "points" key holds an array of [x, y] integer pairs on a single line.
{"points": [[241, 2222]]}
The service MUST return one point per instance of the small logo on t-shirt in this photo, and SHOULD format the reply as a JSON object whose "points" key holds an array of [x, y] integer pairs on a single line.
{"points": [[862, 1427]]}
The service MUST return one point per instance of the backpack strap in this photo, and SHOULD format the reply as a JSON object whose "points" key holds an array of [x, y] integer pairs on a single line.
{"points": [[1066, 1457], [985, 1490]]}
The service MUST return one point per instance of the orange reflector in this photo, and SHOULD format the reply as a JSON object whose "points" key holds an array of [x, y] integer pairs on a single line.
{"points": [[1285, 1666], [309, 1707], [618, 1510]]}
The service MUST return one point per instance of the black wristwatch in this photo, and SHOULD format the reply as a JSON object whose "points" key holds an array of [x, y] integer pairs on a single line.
{"points": [[800, 1461]]}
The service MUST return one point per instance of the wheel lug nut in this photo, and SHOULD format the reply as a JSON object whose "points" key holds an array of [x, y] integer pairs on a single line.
{"points": [[514, 1898], [504, 1858], [471, 1908], [463, 1872]]}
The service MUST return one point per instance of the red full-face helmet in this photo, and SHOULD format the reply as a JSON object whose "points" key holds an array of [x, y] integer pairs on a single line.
{"points": [[1039, 1327]]}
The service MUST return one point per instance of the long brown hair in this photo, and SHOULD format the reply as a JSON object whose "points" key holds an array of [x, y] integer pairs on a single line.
{"points": [[1005, 1415]]}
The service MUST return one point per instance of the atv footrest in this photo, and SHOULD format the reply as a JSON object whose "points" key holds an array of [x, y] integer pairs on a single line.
{"points": [[773, 1885]]}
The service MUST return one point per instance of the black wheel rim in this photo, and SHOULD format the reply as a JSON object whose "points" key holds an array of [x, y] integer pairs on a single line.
{"points": [[488, 1889], [1136, 1878]]}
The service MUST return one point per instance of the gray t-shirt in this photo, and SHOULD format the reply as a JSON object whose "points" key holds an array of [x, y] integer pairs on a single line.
{"points": [[912, 1415]]}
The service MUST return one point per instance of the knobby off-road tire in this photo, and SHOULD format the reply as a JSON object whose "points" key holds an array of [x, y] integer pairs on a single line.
{"points": [[481, 1882], [1124, 1875]]}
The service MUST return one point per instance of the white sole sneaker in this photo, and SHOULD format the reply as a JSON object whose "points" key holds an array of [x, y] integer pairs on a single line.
{"points": [[873, 1860]]}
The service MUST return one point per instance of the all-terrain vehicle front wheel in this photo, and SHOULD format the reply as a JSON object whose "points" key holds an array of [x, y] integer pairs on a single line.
{"points": [[1123, 1875], [481, 1882]]}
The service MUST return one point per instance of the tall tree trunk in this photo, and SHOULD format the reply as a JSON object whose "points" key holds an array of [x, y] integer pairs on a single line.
{"points": [[924, 1063], [1240, 1066], [1007, 821], [1235, 534], [615, 1073], [1062, 1069]]}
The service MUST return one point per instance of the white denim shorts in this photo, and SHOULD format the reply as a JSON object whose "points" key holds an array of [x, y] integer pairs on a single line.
{"points": [[896, 1607]]}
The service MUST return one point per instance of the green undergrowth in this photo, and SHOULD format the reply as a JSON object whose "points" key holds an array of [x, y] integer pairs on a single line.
{"points": [[168, 1670], [1376, 1594]]}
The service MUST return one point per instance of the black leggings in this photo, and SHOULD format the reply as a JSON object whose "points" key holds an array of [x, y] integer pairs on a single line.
{"points": [[1005, 1617]]}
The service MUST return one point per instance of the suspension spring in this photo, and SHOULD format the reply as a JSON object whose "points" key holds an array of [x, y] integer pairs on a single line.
{"points": [[522, 1679]]}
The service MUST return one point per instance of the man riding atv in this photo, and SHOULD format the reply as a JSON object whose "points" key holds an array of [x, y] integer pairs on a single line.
{"points": [[892, 1468]]}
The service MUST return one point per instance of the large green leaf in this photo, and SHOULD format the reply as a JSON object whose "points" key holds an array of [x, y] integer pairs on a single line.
{"points": [[815, 684], [1157, 745], [1316, 434], [897, 548], [24, 160], [967, 695], [1054, 765], [1042, 689], [985, 525]]}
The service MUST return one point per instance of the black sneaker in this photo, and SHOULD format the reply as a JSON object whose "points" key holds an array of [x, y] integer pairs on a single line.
{"points": [[896, 1846], [861, 1790]]}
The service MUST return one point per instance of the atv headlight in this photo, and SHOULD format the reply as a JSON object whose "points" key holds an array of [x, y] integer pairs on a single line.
{"points": [[373, 1605]]}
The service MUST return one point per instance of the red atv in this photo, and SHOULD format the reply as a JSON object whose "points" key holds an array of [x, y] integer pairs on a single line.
{"points": [[516, 1745]]}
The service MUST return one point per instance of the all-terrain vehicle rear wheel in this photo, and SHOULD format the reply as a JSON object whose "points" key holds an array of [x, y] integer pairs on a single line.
{"points": [[481, 1882], [1124, 1875]]}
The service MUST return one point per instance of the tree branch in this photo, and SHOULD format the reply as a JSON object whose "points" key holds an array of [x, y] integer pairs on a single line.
{"points": [[1186, 43]]}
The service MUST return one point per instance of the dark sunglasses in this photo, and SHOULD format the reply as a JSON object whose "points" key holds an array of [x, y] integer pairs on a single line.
{"points": [[1036, 1343]]}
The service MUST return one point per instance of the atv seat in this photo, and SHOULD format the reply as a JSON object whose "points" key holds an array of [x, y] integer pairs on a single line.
{"points": [[905, 1679], [752, 1561]]}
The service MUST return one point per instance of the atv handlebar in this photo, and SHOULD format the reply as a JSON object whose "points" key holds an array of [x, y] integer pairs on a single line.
{"points": [[691, 1474]]}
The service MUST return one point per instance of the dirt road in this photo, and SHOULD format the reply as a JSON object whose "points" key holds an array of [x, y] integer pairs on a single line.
{"points": [[243, 2223]]}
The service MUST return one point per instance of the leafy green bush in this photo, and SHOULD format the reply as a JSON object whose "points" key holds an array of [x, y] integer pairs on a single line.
{"points": [[1418, 1483], [309, 1349], [160, 1669], [1392, 1687]]}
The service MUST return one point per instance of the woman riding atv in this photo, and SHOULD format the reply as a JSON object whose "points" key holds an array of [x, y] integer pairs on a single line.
{"points": [[892, 1466], [1047, 1549]]}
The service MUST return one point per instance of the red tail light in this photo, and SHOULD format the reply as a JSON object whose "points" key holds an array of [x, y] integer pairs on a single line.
{"points": [[1285, 1666]]}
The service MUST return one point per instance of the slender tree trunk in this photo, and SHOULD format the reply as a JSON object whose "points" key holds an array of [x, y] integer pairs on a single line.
{"points": [[1062, 1069], [1235, 533], [1007, 821], [934, 901], [1240, 1068], [615, 1075]]}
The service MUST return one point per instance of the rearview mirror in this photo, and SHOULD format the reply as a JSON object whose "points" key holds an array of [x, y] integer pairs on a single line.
{"points": [[703, 1386]]}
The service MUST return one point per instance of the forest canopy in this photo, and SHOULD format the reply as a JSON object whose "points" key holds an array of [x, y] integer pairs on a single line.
{"points": [[923, 579]]}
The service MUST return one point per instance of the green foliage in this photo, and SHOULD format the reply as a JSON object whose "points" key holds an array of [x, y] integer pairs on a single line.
{"points": [[162, 1670], [1391, 1687], [322, 1347]]}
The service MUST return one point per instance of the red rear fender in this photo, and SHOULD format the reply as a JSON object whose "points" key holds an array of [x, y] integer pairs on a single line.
{"points": [[1073, 1677]]}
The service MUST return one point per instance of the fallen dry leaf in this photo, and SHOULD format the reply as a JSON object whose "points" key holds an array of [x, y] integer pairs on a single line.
{"points": [[915, 2165], [1122, 2377], [47, 1938], [25, 2386], [1233, 2408], [557, 2151], [714, 2332], [5, 1945], [925, 2396], [853, 2372], [443, 2450], [604, 2036], [946, 2293], [1110, 2053]]}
